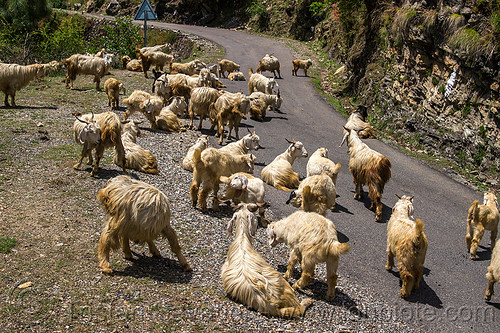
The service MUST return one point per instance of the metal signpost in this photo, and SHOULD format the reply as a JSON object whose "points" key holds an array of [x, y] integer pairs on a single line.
{"points": [[145, 13]]}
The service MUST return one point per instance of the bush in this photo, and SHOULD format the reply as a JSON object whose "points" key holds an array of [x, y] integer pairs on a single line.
{"points": [[122, 37]]}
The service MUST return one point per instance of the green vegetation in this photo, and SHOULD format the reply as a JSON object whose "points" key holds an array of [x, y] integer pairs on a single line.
{"points": [[6, 244], [121, 36]]}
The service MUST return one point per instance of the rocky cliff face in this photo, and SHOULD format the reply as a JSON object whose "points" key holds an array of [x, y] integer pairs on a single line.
{"points": [[400, 58]]}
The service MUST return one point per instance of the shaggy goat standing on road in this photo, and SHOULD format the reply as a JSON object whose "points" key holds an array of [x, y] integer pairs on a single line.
{"points": [[137, 212], [249, 279], [368, 167], [481, 218], [269, 63], [312, 239], [406, 240], [301, 64], [493, 274]]}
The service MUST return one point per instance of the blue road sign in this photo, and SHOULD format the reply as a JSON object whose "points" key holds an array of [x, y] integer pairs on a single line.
{"points": [[145, 12]]}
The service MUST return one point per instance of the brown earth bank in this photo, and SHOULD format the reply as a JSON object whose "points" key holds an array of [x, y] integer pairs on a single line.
{"points": [[395, 57]]}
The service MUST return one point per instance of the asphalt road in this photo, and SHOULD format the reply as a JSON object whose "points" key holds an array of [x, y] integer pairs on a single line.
{"points": [[452, 290]]}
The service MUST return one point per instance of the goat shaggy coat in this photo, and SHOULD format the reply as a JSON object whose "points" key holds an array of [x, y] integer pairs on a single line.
{"points": [[493, 275], [312, 239], [269, 63], [226, 65], [320, 163], [112, 87], [111, 131], [481, 218], [250, 280], [258, 82], [189, 68], [301, 64], [79, 64], [368, 167], [201, 99], [251, 141], [356, 121], [316, 194], [137, 212], [14, 77], [279, 173], [147, 104], [157, 58], [138, 158], [406, 240], [209, 166], [201, 144]]}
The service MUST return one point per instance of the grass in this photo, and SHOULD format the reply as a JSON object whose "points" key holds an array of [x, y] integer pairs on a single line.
{"points": [[7, 244]]}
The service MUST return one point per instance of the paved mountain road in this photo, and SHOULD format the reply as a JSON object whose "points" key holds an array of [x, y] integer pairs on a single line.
{"points": [[451, 293]]}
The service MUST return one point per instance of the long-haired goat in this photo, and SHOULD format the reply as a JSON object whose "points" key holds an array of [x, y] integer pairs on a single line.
{"points": [[157, 58], [226, 65], [230, 113], [481, 218], [269, 63], [279, 173], [137, 212], [110, 129], [243, 187], [312, 239], [368, 167], [258, 82], [249, 279], [208, 167], [188, 68], [236, 76], [316, 193], [201, 99], [79, 64], [319, 163], [356, 121], [113, 87], [493, 274], [272, 101], [407, 241], [146, 103], [138, 158], [251, 141], [201, 144], [14, 77], [301, 64], [167, 120]]}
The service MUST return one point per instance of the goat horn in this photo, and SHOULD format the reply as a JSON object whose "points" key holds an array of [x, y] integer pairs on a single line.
{"points": [[344, 138], [92, 116], [83, 121], [397, 196], [288, 140], [411, 198], [249, 131]]}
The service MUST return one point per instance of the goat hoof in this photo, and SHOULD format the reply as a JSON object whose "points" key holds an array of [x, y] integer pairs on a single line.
{"points": [[403, 294], [387, 267], [187, 268], [487, 297], [107, 271], [473, 257]]}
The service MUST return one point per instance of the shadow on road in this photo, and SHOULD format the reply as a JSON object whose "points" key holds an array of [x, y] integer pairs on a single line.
{"points": [[424, 294], [483, 255]]}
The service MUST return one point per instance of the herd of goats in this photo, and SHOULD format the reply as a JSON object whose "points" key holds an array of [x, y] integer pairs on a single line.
{"points": [[140, 212]]}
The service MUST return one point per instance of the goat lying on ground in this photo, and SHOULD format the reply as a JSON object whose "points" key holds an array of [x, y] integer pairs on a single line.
{"points": [[316, 193], [113, 87], [406, 240], [481, 218], [188, 68], [368, 167], [311, 239], [301, 64], [249, 279], [108, 126], [138, 158], [356, 121], [279, 173], [147, 104], [201, 144], [208, 167], [243, 187], [269, 63], [236, 76], [137, 212], [251, 141], [133, 65], [320, 163], [14, 77], [493, 274]]}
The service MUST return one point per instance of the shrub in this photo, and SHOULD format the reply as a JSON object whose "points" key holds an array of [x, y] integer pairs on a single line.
{"points": [[122, 37]]}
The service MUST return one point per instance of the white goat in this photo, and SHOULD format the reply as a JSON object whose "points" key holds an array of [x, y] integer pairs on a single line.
{"points": [[279, 173], [356, 121], [137, 212], [249, 279], [251, 141], [407, 241], [201, 99], [188, 68], [480, 218], [320, 163], [272, 101], [258, 82], [311, 239], [79, 64], [269, 63], [243, 187], [368, 167], [200, 144], [315, 194], [137, 157], [14, 77], [146, 103]]}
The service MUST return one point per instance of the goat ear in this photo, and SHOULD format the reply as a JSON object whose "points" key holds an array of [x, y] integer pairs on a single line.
{"points": [[292, 195], [83, 135], [271, 236], [252, 223]]}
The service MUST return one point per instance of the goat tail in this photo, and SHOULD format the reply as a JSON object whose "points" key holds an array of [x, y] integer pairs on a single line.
{"points": [[250, 71], [337, 248], [473, 212], [419, 226]]}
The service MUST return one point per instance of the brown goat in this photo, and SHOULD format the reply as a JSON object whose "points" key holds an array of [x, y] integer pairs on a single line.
{"points": [[481, 218]]}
